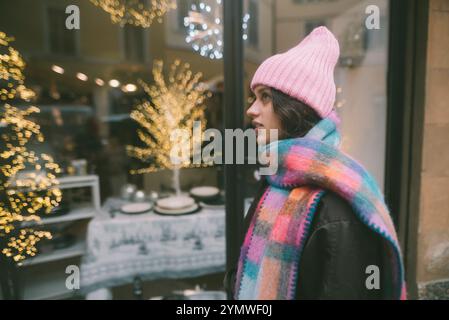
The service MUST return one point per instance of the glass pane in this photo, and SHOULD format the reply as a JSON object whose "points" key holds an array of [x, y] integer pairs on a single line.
{"points": [[88, 84], [360, 75]]}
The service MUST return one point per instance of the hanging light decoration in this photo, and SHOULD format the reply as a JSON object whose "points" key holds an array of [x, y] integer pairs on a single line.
{"points": [[205, 28], [136, 12]]}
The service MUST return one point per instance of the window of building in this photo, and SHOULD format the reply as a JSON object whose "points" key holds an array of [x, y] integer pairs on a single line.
{"points": [[61, 40], [134, 44]]}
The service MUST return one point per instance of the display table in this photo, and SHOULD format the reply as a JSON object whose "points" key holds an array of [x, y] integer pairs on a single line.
{"points": [[151, 246]]}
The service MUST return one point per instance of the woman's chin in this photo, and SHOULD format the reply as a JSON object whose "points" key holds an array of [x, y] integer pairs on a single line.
{"points": [[261, 140]]}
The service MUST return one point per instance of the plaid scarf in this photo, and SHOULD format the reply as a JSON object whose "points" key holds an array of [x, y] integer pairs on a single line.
{"points": [[270, 254]]}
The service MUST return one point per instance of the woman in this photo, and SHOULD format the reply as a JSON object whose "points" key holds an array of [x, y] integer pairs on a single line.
{"points": [[319, 227]]}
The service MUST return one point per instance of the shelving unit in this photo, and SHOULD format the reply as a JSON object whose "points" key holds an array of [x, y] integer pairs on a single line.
{"points": [[83, 212], [78, 249], [44, 285], [43, 276]]}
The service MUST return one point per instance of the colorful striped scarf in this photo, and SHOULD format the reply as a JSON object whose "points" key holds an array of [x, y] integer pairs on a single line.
{"points": [[270, 254]]}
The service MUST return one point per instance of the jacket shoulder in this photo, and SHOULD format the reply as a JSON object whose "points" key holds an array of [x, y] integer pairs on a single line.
{"points": [[331, 209]]}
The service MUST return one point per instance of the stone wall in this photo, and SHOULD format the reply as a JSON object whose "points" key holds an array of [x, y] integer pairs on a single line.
{"points": [[433, 230]]}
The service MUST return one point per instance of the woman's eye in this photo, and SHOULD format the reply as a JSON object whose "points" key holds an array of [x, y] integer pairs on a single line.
{"points": [[265, 96]]}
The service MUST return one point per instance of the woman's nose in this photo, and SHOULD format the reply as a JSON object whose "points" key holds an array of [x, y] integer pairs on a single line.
{"points": [[253, 111]]}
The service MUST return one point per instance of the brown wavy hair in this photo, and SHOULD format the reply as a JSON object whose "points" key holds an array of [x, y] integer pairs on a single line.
{"points": [[296, 117]]}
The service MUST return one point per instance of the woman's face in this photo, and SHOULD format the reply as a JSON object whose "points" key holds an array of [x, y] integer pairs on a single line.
{"points": [[263, 116]]}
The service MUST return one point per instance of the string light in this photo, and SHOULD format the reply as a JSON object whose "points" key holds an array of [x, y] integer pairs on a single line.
{"points": [[171, 105], [135, 12], [205, 28], [11, 72], [99, 82], [114, 83], [57, 69], [28, 184], [130, 87], [339, 102], [82, 76]]}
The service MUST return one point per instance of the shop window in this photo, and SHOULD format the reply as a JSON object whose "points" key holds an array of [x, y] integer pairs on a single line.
{"points": [[360, 74]]}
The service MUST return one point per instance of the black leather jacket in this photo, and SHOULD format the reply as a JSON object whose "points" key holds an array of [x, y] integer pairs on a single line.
{"points": [[336, 255]]}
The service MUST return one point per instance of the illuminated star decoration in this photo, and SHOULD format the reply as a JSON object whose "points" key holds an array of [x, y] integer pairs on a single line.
{"points": [[11, 72], [205, 28], [172, 105], [136, 12]]}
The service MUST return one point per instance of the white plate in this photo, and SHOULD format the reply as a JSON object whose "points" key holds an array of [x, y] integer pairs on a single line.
{"points": [[175, 203], [204, 192], [134, 208], [176, 211]]}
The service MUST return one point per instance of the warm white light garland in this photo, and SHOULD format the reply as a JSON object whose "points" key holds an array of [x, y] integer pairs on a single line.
{"points": [[136, 12]]}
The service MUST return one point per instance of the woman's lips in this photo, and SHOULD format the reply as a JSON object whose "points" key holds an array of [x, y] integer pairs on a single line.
{"points": [[257, 125]]}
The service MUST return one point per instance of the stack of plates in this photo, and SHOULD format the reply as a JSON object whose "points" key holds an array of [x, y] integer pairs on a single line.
{"points": [[176, 206]]}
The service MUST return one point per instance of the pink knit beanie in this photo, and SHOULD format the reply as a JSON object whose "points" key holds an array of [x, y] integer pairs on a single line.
{"points": [[305, 72]]}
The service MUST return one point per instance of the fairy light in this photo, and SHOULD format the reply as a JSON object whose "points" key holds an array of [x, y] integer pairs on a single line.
{"points": [[11, 72], [339, 102], [99, 82], [57, 69], [205, 28], [28, 183], [175, 103], [130, 87], [136, 12], [24, 244], [82, 76], [114, 83]]}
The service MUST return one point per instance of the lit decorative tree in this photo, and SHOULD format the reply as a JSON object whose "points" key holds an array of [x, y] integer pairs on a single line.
{"points": [[136, 12], [171, 106], [28, 184]]}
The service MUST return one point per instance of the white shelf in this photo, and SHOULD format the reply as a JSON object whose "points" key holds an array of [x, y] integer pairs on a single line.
{"points": [[81, 213], [46, 285], [78, 249], [76, 181]]}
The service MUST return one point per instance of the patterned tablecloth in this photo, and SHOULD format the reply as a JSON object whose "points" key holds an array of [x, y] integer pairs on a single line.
{"points": [[151, 246]]}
